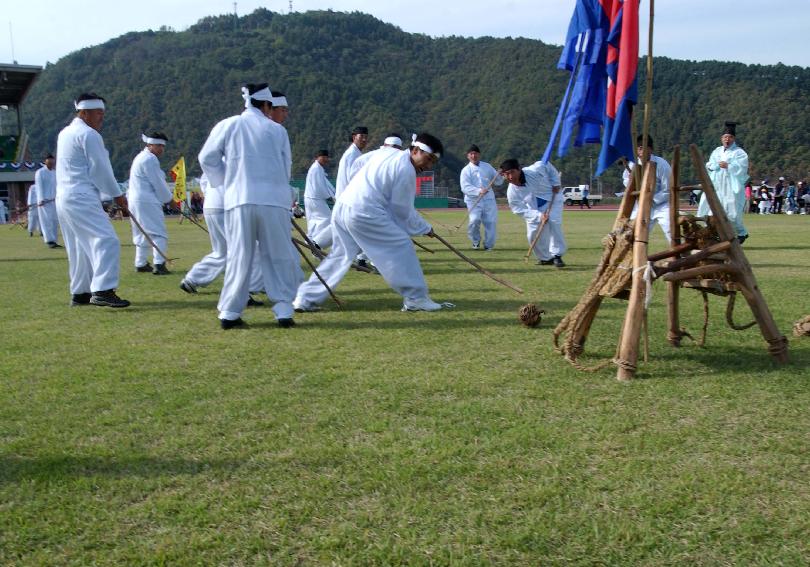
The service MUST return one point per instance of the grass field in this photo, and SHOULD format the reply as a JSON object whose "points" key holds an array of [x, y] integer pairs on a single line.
{"points": [[371, 436]]}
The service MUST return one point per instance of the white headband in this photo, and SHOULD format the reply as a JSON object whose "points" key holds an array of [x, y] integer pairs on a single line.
{"points": [[263, 94], [392, 141], [279, 101], [157, 141], [424, 147], [92, 104]]}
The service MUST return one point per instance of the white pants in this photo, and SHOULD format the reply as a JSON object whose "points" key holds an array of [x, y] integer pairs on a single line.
{"points": [[93, 249], [319, 222], [33, 219], [658, 216], [486, 213], [551, 242], [150, 217], [206, 270], [278, 259], [48, 222], [385, 243]]}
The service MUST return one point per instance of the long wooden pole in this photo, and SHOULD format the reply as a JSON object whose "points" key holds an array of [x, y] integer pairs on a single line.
{"points": [[476, 265], [631, 330], [148, 238], [315, 271]]}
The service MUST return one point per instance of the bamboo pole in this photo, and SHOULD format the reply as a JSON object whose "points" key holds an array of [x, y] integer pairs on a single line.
{"points": [[627, 357], [674, 333]]}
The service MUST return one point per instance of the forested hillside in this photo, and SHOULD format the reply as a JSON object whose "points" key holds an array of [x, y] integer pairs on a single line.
{"points": [[339, 70]]}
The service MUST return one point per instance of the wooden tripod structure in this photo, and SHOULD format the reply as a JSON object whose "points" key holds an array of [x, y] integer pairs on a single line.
{"points": [[706, 257]]}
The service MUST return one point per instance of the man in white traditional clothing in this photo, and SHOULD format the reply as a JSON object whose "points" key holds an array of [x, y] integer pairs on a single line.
{"points": [[477, 179], [316, 208], [212, 265], [148, 192], [245, 154], [359, 138], [376, 213], [659, 214], [84, 177], [391, 141], [45, 180], [728, 170], [33, 211], [534, 194]]}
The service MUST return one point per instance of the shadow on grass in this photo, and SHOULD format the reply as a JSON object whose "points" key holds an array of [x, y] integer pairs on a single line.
{"points": [[55, 259], [64, 467]]}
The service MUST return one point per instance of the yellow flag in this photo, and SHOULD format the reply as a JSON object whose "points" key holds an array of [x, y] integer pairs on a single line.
{"points": [[179, 175]]}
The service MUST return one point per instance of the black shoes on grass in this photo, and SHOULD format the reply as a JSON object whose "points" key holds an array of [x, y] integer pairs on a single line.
{"points": [[107, 298]]}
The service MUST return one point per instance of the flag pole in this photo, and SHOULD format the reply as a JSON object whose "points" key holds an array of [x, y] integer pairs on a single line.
{"points": [[649, 86]]}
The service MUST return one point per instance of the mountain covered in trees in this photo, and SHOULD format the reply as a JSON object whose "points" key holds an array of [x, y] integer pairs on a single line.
{"points": [[340, 70]]}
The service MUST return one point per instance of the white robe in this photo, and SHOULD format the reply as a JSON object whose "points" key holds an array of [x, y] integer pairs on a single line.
{"points": [[83, 175], [45, 180], [376, 213], [246, 155], [533, 199], [344, 169], [729, 183], [147, 193], [319, 215], [659, 214], [3, 218], [474, 179], [33, 210]]}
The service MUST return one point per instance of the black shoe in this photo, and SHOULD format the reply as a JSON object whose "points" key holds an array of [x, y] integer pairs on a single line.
{"points": [[188, 287], [558, 262], [160, 270], [53, 245], [78, 299], [254, 302], [108, 298], [476, 246], [286, 323], [363, 264], [145, 268], [231, 323], [30, 234], [742, 239], [545, 263]]}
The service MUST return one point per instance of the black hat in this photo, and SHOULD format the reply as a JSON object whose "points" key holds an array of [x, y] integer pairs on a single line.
{"points": [[509, 164], [640, 140], [473, 148], [360, 130], [730, 128], [49, 156], [322, 153]]}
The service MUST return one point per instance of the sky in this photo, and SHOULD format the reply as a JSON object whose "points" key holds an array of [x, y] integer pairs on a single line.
{"points": [[748, 31]]}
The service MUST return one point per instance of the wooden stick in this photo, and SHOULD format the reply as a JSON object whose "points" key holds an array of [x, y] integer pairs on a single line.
{"points": [[539, 230], [422, 246], [478, 200], [303, 234], [149, 239], [315, 271], [476, 265], [674, 251], [692, 259], [674, 333], [700, 271], [190, 219], [317, 253]]}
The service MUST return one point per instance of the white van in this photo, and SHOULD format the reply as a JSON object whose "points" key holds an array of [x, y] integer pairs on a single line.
{"points": [[574, 195]]}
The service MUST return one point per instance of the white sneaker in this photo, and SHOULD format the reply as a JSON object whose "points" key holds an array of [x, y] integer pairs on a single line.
{"points": [[305, 307], [424, 304]]}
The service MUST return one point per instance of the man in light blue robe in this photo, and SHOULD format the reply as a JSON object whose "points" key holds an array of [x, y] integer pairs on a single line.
{"points": [[728, 170]]}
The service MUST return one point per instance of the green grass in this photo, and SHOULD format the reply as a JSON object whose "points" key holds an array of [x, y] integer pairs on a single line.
{"points": [[371, 436]]}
